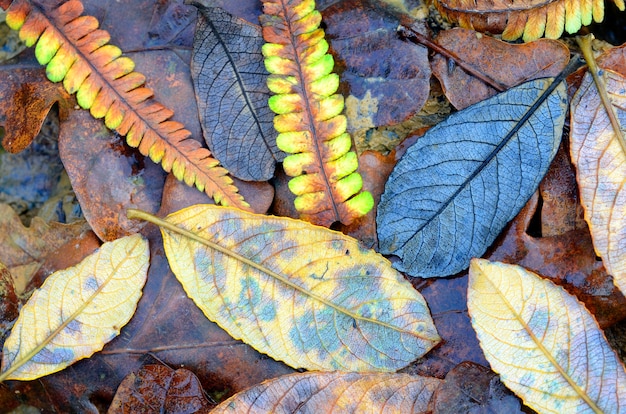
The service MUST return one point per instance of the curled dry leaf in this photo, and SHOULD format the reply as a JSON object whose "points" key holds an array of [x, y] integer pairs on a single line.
{"points": [[529, 19], [318, 392], [160, 389], [600, 160], [545, 345], [507, 64], [453, 192], [229, 79], [303, 294], [77, 311]]}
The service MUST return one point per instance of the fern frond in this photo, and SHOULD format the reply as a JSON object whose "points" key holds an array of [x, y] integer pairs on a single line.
{"points": [[309, 120], [77, 53], [529, 19]]}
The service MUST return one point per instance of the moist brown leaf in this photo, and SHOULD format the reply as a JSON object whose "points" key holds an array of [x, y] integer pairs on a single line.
{"points": [[8, 302], [507, 64], [24, 249], [26, 96], [157, 388], [473, 388], [387, 78], [527, 18]]}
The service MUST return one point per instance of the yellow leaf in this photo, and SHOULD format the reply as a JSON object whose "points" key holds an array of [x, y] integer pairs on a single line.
{"points": [[598, 153], [303, 294], [335, 392], [77, 310], [542, 341]]}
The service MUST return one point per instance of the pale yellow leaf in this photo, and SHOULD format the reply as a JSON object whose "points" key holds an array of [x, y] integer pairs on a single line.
{"points": [[542, 341], [77, 310], [337, 393], [600, 161], [303, 294]]}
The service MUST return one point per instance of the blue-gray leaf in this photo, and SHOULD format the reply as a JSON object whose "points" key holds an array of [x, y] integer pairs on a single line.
{"points": [[229, 76], [453, 192]]}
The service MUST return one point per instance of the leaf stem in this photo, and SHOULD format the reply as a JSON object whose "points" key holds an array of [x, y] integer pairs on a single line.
{"points": [[132, 213], [584, 43]]}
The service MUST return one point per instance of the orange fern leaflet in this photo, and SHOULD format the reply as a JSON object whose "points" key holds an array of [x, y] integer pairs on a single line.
{"points": [[76, 52]]}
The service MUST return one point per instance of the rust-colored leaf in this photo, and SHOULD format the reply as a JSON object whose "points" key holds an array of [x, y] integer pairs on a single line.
{"points": [[309, 120], [388, 78], [157, 388], [26, 97], [473, 388], [79, 54], [507, 64], [528, 18]]}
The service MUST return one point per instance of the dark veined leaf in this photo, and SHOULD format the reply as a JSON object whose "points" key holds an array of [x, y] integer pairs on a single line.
{"points": [[231, 90], [453, 191], [319, 392], [77, 53], [309, 120], [303, 294]]}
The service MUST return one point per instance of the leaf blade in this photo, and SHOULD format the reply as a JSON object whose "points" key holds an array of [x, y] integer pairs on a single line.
{"points": [[236, 120], [336, 392], [453, 192], [538, 337], [298, 295], [600, 167], [71, 326]]}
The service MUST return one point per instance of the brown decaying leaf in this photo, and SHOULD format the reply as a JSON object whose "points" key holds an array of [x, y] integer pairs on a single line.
{"points": [[158, 388], [527, 18], [506, 63], [24, 249], [382, 72], [8, 302], [77, 52], [27, 88], [473, 388]]}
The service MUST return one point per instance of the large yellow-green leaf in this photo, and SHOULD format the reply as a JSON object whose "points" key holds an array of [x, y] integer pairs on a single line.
{"points": [[77, 310], [542, 341], [303, 294], [600, 159], [325, 392]]}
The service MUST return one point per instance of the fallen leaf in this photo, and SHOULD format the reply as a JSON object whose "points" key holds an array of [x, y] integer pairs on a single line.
{"points": [[26, 87], [77, 311], [453, 192], [8, 302], [317, 392], [23, 249], [157, 388], [527, 18], [229, 78], [507, 64], [301, 303], [473, 388], [308, 117], [544, 344], [383, 73], [600, 156]]}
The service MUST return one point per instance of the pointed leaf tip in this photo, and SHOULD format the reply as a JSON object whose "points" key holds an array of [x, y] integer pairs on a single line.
{"points": [[77, 310], [538, 338]]}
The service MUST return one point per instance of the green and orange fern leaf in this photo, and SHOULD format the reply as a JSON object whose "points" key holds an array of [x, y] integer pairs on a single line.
{"points": [[309, 116], [529, 19], [77, 53]]}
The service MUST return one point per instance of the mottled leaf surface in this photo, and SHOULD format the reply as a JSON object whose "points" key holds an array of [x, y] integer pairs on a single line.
{"points": [[303, 294], [77, 311], [317, 392], [601, 170], [229, 76], [545, 345], [453, 192]]}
